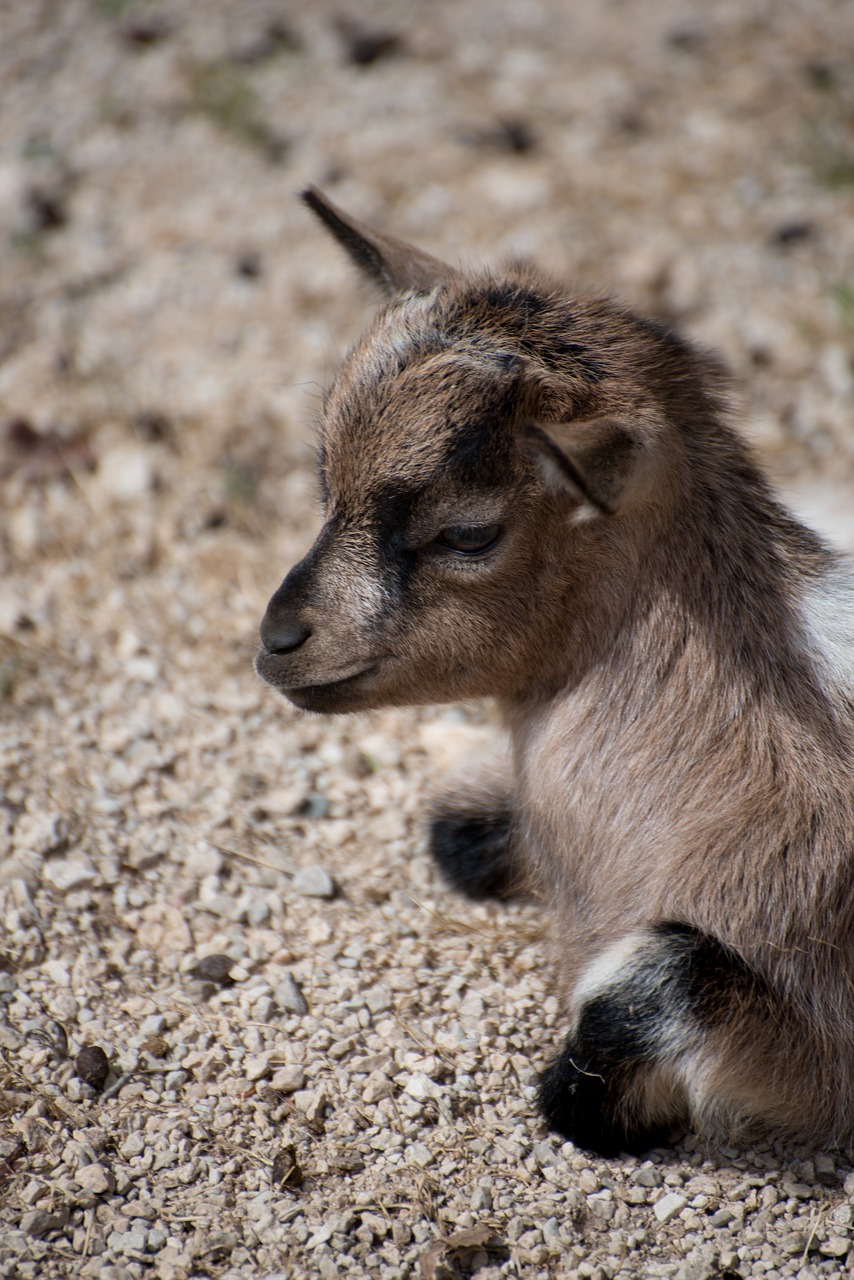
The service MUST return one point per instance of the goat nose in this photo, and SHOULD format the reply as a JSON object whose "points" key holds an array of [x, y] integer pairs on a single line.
{"points": [[283, 635]]}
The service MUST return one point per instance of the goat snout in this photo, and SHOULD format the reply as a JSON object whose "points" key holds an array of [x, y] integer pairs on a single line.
{"points": [[283, 630]]}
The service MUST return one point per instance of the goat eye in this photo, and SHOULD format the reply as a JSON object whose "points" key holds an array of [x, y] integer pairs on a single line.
{"points": [[468, 539]]}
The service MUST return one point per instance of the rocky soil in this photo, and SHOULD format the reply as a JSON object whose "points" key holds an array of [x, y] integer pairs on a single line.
{"points": [[315, 1060]]}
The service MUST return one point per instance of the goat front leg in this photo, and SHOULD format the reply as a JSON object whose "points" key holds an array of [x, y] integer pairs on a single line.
{"points": [[471, 831]]}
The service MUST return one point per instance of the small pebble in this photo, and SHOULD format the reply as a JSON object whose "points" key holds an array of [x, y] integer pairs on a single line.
{"points": [[255, 1067], [834, 1247], [313, 882], [127, 1242], [377, 1086], [721, 1218], [419, 1154], [95, 1178], [38, 1222], [153, 1025], [288, 1079], [668, 1206], [66, 875], [290, 997], [215, 968], [421, 1087]]}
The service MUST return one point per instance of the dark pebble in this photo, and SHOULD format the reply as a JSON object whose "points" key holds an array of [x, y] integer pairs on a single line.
{"points": [[215, 969], [286, 1171], [792, 233], [364, 47], [92, 1066]]}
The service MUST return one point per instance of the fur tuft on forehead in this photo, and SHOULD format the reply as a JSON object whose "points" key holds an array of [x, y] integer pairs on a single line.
{"points": [[443, 410]]}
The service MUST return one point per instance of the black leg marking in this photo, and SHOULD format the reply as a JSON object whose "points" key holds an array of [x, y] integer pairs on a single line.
{"points": [[673, 988], [473, 853], [581, 1091]]}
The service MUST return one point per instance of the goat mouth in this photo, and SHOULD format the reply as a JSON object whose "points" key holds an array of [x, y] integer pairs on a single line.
{"points": [[333, 695], [267, 667], [329, 686]]}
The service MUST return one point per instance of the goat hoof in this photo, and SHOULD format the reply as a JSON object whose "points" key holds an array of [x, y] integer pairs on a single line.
{"points": [[473, 854], [574, 1101]]}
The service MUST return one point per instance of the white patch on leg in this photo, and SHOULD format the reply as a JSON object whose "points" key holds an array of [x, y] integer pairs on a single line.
{"points": [[610, 968]]}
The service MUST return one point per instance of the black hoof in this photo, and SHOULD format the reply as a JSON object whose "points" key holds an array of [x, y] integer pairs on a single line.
{"points": [[577, 1102], [473, 854]]}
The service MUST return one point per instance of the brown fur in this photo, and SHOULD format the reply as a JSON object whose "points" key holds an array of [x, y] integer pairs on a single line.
{"points": [[671, 650]]}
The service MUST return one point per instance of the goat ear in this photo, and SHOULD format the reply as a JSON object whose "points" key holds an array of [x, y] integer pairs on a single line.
{"points": [[391, 263], [600, 461]]}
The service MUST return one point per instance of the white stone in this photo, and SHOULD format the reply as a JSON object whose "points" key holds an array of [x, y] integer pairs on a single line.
{"points": [[288, 1079], [313, 882], [39, 833], [255, 1067], [421, 1087], [379, 998], [377, 1086], [668, 1206], [417, 1153], [95, 1178], [66, 875], [311, 1102], [153, 1025], [125, 471]]}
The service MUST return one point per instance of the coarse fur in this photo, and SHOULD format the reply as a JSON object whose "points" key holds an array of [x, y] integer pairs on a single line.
{"points": [[538, 497]]}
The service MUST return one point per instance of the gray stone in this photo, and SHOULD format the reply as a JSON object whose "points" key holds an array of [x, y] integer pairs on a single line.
{"points": [[133, 1145], [38, 1222], [313, 882], [289, 996], [834, 1247], [793, 1243], [722, 1218], [127, 1241]]}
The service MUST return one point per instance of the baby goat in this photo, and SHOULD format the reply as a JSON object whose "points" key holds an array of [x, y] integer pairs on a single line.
{"points": [[538, 497]]}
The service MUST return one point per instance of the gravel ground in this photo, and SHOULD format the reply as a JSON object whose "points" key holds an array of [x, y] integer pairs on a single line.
{"points": [[316, 1061]]}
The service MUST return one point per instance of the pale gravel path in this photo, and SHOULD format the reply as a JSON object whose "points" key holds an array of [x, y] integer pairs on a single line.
{"points": [[162, 807]]}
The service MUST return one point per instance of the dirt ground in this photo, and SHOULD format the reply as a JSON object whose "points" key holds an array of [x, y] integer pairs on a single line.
{"points": [[319, 1062]]}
